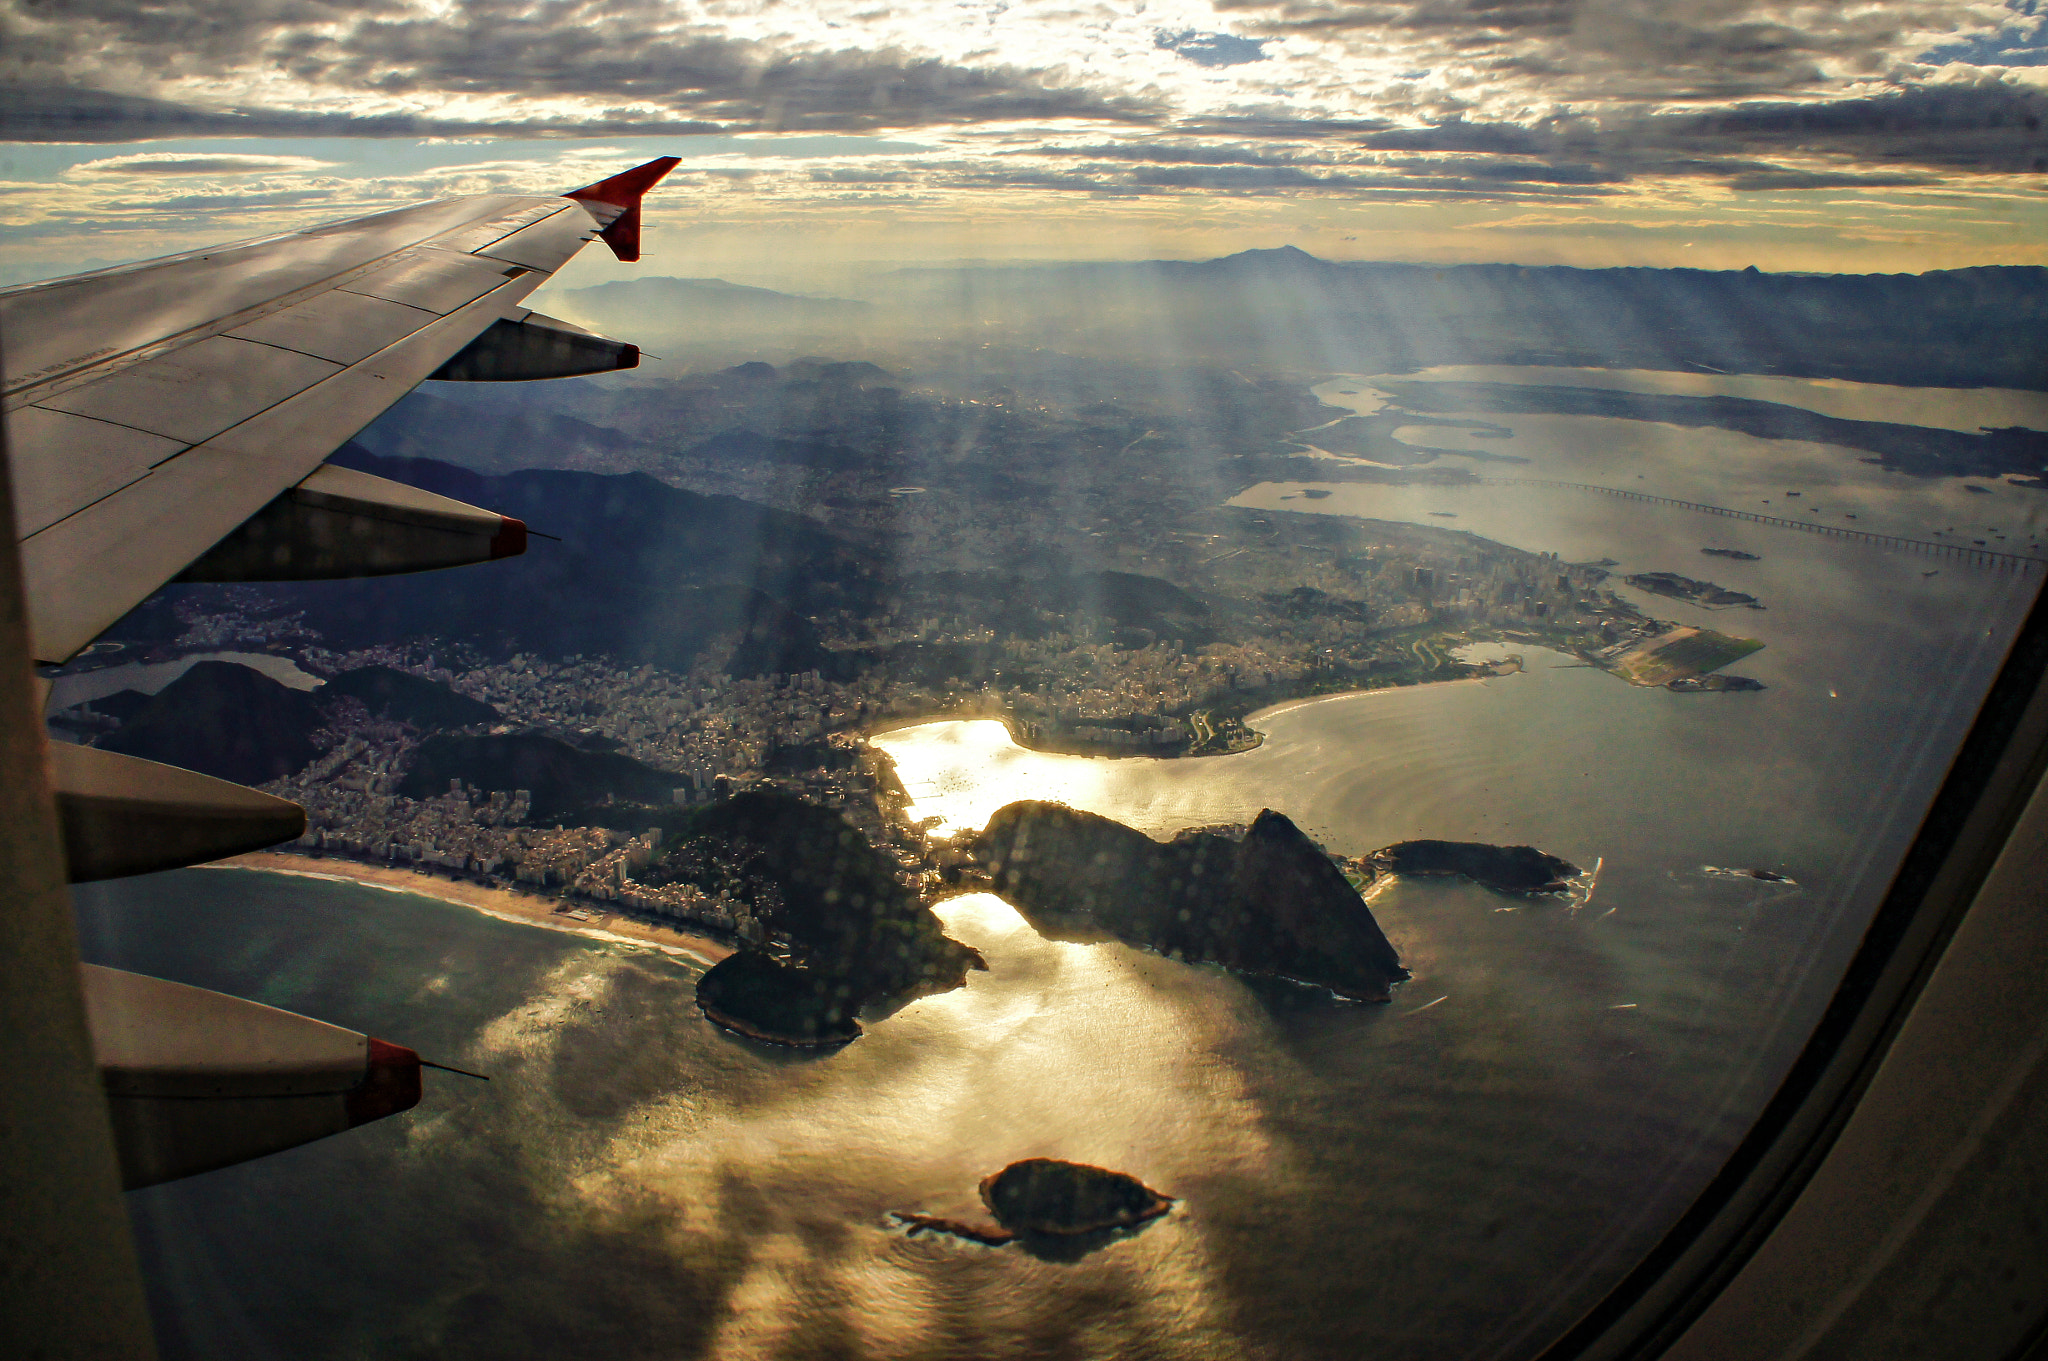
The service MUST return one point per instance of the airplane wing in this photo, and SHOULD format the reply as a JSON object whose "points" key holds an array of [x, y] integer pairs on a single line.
{"points": [[170, 420], [155, 409]]}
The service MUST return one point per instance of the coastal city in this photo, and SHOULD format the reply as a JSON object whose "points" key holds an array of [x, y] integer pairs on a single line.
{"points": [[1052, 560], [1304, 604]]}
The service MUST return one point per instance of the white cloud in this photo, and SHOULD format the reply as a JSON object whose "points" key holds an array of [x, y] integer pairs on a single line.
{"points": [[152, 163]]}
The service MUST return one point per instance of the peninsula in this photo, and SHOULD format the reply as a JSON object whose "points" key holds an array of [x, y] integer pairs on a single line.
{"points": [[827, 922], [1270, 902], [1678, 653]]}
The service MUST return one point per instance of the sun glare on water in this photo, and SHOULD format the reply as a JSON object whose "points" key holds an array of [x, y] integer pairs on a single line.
{"points": [[962, 772]]}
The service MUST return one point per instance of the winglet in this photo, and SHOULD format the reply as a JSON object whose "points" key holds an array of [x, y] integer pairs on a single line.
{"points": [[623, 191]]}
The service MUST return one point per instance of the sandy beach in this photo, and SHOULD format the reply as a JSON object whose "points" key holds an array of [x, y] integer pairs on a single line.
{"points": [[504, 904]]}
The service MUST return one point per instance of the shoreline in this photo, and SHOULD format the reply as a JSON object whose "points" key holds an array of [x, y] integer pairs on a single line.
{"points": [[725, 1020], [504, 904]]}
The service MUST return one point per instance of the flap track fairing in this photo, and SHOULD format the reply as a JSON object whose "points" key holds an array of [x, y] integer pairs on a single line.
{"points": [[344, 523], [197, 1080], [122, 815], [537, 347]]}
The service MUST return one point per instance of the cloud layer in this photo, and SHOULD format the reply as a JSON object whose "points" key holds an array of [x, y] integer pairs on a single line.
{"points": [[1665, 103]]}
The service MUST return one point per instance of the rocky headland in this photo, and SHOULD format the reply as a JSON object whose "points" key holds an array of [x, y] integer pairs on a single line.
{"points": [[1269, 902], [831, 923], [1505, 869]]}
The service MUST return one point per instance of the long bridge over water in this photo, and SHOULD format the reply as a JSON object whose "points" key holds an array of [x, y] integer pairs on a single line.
{"points": [[1963, 552]]}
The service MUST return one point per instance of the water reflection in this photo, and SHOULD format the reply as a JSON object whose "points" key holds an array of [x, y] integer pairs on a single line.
{"points": [[1965, 409], [1712, 466]]}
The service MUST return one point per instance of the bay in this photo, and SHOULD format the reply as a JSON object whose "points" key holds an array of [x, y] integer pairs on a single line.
{"points": [[1449, 1175]]}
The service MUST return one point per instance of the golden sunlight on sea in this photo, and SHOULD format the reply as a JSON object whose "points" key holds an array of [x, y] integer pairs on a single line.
{"points": [[789, 1168], [961, 773]]}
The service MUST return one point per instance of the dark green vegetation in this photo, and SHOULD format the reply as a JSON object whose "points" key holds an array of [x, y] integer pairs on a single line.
{"points": [[234, 722], [838, 925], [1918, 450], [646, 573], [1686, 588], [225, 720], [405, 698], [561, 779], [1707, 651], [1696, 685], [1269, 903], [1506, 869]]}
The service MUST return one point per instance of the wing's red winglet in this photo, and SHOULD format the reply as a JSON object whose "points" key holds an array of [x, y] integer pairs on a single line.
{"points": [[624, 190]]}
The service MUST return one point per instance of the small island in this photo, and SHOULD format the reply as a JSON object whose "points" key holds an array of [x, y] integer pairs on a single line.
{"points": [[1504, 869], [1736, 553], [1046, 1196], [1686, 588], [1266, 901]]}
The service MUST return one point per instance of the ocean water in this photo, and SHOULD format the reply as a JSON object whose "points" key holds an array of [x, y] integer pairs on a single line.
{"points": [[1454, 1174]]}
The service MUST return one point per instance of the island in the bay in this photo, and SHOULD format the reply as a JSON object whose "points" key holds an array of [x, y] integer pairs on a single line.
{"points": [[1505, 869], [1687, 588], [1268, 901], [1054, 1198], [1735, 553]]}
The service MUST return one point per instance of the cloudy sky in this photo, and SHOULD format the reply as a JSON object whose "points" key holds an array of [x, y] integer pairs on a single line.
{"points": [[824, 137]]}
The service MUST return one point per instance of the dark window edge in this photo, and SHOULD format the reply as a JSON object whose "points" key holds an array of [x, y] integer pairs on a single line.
{"points": [[1995, 771]]}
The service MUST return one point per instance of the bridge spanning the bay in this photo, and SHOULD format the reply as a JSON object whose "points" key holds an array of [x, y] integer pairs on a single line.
{"points": [[1961, 552]]}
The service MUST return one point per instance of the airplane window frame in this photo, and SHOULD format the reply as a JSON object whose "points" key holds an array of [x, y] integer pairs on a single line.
{"points": [[2001, 763]]}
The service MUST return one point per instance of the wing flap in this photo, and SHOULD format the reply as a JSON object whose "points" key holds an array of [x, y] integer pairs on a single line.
{"points": [[66, 325], [194, 393], [336, 325], [88, 570], [545, 244], [439, 281], [99, 459]]}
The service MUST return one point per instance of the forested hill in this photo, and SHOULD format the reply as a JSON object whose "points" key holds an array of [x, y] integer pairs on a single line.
{"points": [[643, 572]]}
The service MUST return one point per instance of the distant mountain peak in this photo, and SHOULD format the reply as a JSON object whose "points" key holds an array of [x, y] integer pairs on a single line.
{"points": [[1286, 257]]}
